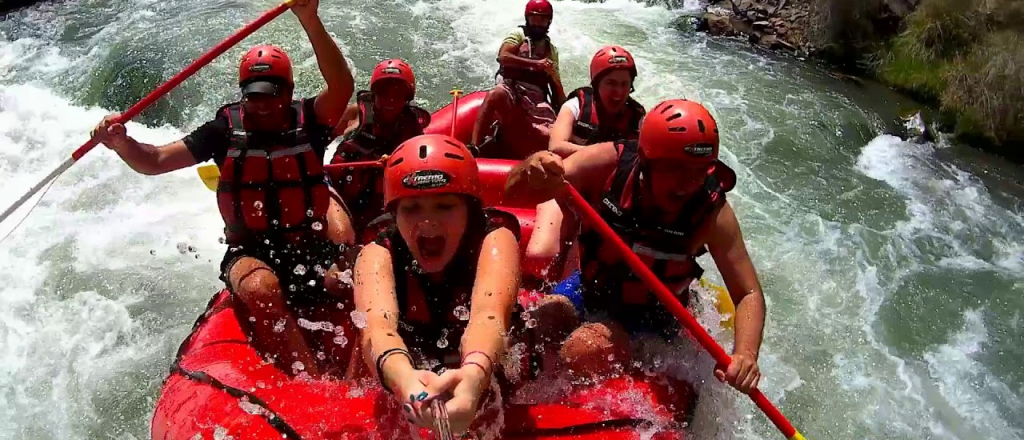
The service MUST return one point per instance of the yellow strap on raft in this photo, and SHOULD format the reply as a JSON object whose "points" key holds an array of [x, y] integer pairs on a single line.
{"points": [[797, 436]]}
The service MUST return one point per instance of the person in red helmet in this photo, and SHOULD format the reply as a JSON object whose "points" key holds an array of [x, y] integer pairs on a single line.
{"points": [[380, 119], [439, 284], [665, 196], [283, 227], [600, 112], [516, 116]]}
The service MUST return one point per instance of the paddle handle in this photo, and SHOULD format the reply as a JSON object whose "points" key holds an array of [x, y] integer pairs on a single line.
{"points": [[199, 63], [455, 108], [676, 308]]}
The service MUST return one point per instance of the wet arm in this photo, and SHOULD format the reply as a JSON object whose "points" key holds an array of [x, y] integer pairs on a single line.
{"points": [[561, 132], [507, 58], [494, 295], [375, 296], [153, 160], [331, 102], [587, 170], [730, 254]]}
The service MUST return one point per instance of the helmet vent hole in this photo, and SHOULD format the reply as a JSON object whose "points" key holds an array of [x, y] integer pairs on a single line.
{"points": [[454, 156], [676, 129], [674, 117], [275, 56], [716, 130], [700, 125], [423, 151], [666, 108], [397, 161]]}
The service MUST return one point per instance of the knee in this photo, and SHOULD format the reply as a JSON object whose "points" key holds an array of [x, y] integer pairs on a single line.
{"points": [[596, 349], [259, 286], [556, 318]]}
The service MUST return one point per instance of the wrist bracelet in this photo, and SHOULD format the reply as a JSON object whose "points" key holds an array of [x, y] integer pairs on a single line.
{"points": [[477, 364], [489, 360], [384, 357]]}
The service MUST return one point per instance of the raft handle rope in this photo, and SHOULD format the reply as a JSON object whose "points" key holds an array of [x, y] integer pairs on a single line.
{"points": [[676, 308], [153, 96]]}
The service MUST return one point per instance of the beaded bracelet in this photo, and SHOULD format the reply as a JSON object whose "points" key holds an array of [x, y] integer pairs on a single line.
{"points": [[384, 357]]}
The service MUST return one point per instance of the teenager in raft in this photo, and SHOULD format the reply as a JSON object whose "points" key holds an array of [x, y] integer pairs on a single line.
{"points": [[665, 196], [602, 111], [439, 287], [380, 119], [516, 116], [283, 227]]}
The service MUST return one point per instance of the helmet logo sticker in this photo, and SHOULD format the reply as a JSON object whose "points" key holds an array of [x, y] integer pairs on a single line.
{"points": [[699, 150], [394, 70], [426, 179], [618, 59], [259, 67]]}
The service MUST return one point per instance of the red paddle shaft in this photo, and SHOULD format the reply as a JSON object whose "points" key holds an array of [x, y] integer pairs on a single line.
{"points": [[156, 94], [190, 70], [673, 305]]}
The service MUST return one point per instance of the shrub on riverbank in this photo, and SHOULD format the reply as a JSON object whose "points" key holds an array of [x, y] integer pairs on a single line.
{"points": [[967, 56]]}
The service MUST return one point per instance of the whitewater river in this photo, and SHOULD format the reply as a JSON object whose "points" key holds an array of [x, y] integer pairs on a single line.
{"points": [[894, 272]]}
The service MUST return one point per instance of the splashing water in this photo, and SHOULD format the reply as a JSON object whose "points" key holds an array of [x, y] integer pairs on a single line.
{"points": [[443, 342], [358, 319]]}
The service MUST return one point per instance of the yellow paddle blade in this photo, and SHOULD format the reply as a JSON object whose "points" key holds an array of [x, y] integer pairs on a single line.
{"points": [[723, 303], [210, 175]]}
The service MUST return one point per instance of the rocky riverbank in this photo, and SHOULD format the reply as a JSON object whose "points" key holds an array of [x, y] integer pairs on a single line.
{"points": [[964, 57], [773, 24]]}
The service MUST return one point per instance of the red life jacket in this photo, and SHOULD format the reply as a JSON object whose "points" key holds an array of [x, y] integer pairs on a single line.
{"points": [[434, 315], [369, 140], [362, 189], [665, 250], [593, 131], [533, 50], [271, 185]]}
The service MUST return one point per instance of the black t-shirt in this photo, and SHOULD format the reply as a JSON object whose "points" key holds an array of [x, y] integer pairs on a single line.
{"points": [[212, 139]]}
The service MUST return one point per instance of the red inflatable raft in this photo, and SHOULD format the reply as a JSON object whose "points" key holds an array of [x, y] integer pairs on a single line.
{"points": [[220, 388]]}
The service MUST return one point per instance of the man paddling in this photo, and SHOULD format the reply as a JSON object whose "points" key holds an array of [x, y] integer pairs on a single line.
{"points": [[518, 112], [283, 227], [665, 195]]}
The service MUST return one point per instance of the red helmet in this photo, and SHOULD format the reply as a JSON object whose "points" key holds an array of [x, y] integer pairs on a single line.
{"points": [[610, 58], [539, 7], [265, 62], [395, 69], [431, 164], [679, 129]]}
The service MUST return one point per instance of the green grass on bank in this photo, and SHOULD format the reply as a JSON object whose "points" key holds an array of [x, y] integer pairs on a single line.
{"points": [[966, 56]]}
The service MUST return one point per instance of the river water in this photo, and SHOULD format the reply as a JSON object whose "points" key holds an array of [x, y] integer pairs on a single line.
{"points": [[894, 272]]}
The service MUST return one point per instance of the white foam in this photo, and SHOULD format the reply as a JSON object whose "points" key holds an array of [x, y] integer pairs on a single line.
{"points": [[104, 217]]}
